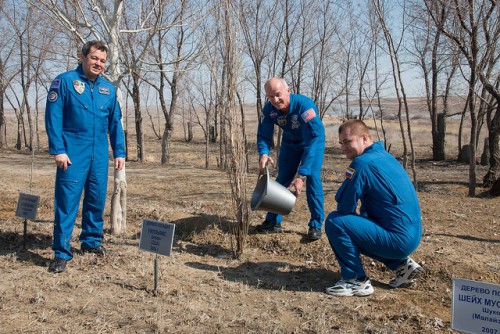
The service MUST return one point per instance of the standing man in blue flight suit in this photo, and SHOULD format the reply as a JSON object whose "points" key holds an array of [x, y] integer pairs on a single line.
{"points": [[301, 153], [388, 227], [81, 110]]}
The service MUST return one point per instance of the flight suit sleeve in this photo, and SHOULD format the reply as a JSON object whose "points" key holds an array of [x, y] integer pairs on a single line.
{"points": [[116, 134], [351, 190], [313, 133], [54, 110], [265, 133]]}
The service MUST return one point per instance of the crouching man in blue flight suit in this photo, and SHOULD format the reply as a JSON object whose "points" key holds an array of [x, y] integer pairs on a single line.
{"points": [[301, 153], [81, 110], [388, 227]]}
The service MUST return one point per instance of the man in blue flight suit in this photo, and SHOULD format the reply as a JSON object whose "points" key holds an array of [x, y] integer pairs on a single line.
{"points": [[301, 153], [81, 110], [388, 227]]}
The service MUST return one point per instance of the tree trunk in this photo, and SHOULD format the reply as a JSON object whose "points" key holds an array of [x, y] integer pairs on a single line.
{"points": [[136, 97], [189, 132], [494, 150], [461, 127], [473, 132], [20, 125], [165, 144], [119, 203], [438, 142], [234, 136], [3, 129], [485, 157]]}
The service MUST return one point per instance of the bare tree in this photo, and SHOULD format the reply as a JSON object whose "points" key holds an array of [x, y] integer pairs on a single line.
{"points": [[439, 63], [475, 29], [364, 46], [175, 52], [130, 61], [31, 52], [258, 38], [235, 139], [205, 86], [3, 84], [398, 85], [345, 37], [326, 89]]}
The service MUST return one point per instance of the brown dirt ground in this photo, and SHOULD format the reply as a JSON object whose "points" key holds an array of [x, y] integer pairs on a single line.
{"points": [[277, 286]]}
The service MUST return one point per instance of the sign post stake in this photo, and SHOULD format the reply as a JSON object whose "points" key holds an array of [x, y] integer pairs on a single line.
{"points": [[25, 233], [156, 275]]}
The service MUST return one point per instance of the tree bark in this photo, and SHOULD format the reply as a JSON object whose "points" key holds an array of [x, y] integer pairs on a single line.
{"points": [[119, 203]]}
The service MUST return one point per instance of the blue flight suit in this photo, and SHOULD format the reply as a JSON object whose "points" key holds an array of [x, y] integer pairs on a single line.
{"points": [[302, 150], [388, 227], [79, 115]]}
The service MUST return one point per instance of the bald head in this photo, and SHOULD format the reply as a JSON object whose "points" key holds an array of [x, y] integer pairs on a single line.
{"points": [[278, 93], [355, 126], [276, 82]]}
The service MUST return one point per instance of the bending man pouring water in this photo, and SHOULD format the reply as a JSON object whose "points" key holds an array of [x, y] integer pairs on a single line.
{"points": [[301, 154]]}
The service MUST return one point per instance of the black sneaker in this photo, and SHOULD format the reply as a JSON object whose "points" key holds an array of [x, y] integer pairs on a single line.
{"points": [[99, 250], [57, 265], [314, 233], [268, 226]]}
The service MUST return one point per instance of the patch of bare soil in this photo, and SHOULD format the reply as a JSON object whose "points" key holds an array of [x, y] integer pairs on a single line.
{"points": [[276, 287]]}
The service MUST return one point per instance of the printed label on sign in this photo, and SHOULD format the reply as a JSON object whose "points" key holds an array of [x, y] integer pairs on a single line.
{"points": [[27, 206], [475, 307], [157, 237]]}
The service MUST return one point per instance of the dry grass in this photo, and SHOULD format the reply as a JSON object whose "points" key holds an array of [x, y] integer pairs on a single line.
{"points": [[278, 284]]}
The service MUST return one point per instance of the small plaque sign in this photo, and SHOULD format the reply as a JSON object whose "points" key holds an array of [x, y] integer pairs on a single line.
{"points": [[27, 206], [475, 307], [157, 237]]}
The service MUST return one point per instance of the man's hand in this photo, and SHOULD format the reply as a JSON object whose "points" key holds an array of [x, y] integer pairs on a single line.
{"points": [[119, 164], [264, 159], [62, 161], [297, 183]]}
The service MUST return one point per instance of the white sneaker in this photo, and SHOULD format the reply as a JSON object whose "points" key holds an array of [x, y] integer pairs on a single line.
{"points": [[406, 274], [351, 287]]}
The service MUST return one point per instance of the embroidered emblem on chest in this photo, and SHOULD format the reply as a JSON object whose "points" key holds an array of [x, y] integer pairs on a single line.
{"points": [[79, 86], [104, 90], [282, 121], [295, 122]]}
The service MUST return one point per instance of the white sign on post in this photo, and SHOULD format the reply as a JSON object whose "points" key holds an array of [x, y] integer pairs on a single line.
{"points": [[475, 307], [157, 237], [27, 205]]}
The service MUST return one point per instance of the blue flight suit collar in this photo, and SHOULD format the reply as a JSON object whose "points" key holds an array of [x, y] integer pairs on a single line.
{"points": [[82, 75]]}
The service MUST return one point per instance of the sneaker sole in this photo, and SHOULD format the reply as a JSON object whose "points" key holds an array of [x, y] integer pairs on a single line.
{"points": [[357, 293], [363, 293], [349, 293], [332, 292], [411, 278]]}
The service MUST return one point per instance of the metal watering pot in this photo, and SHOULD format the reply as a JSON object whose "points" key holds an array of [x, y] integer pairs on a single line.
{"points": [[271, 196]]}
